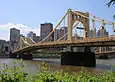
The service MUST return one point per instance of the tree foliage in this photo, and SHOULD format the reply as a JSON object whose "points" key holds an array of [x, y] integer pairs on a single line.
{"points": [[111, 2], [46, 74]]}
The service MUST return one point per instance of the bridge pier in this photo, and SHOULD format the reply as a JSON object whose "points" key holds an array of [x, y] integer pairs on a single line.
{"points": [[26, 56], [78, 59], [103, 56], [19, 55], [69, 48], [87, 49], [12, 55]]}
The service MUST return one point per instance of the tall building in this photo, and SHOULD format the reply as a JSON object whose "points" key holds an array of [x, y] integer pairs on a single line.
{"points": [[2, 46], [14, 37], [102, 32], [98, 33], [65, 32], [56, 34], [91, 33], [37, 38], [21, 35], [31, 34], [60, 33], [45, 29]]}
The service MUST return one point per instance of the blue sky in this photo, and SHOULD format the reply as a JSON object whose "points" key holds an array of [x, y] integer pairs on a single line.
{"points": [[31, 13]]}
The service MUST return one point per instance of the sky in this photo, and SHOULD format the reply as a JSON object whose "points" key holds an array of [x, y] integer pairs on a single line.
{"points": [[27, 15]]}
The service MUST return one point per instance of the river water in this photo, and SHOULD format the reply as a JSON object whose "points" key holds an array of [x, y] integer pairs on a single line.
{"points": [[31, 66]]}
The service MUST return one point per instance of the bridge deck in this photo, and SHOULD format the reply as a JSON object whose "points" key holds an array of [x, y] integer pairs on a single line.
{"points": [[106, 52], [79, 43]]}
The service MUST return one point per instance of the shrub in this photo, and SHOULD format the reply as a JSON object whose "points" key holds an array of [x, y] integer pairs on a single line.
{"points": [[45, 74]]}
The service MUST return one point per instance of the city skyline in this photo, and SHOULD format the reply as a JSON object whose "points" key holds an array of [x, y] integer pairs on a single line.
{"points": [[28, 15]]}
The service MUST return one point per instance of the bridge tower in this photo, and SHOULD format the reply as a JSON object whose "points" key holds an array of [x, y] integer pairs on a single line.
{"points": [[78, 58], [69, 24], [82, 17]]}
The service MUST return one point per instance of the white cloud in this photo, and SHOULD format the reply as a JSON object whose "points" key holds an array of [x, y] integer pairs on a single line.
{"points": [[5, 30]]}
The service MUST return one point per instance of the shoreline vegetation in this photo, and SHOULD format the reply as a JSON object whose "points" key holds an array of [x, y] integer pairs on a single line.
{"points": [[45, 74]]}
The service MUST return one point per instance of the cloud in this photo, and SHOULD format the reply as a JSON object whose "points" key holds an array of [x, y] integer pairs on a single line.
{"points": [[5, 30]]}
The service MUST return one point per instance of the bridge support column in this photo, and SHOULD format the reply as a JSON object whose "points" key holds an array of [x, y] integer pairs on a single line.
{"points": [[103, 56], [87, 49], [20, 55], [12, 55], [78, 59], [69, 25], [26, 56], [69, 48]]}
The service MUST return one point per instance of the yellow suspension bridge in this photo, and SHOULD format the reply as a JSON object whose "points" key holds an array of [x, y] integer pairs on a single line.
{"points": [[71, 20]]}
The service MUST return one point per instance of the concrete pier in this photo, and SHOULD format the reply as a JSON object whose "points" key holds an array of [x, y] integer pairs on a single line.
{"points": [[25, 56], [103, 56], [86, 59], [12, 55]]}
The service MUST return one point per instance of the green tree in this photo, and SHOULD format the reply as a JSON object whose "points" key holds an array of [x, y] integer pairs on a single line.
{"points": [[111, 2]]}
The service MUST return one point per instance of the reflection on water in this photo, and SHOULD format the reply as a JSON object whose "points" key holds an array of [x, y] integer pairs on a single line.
{"points": [[31, 66]]}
